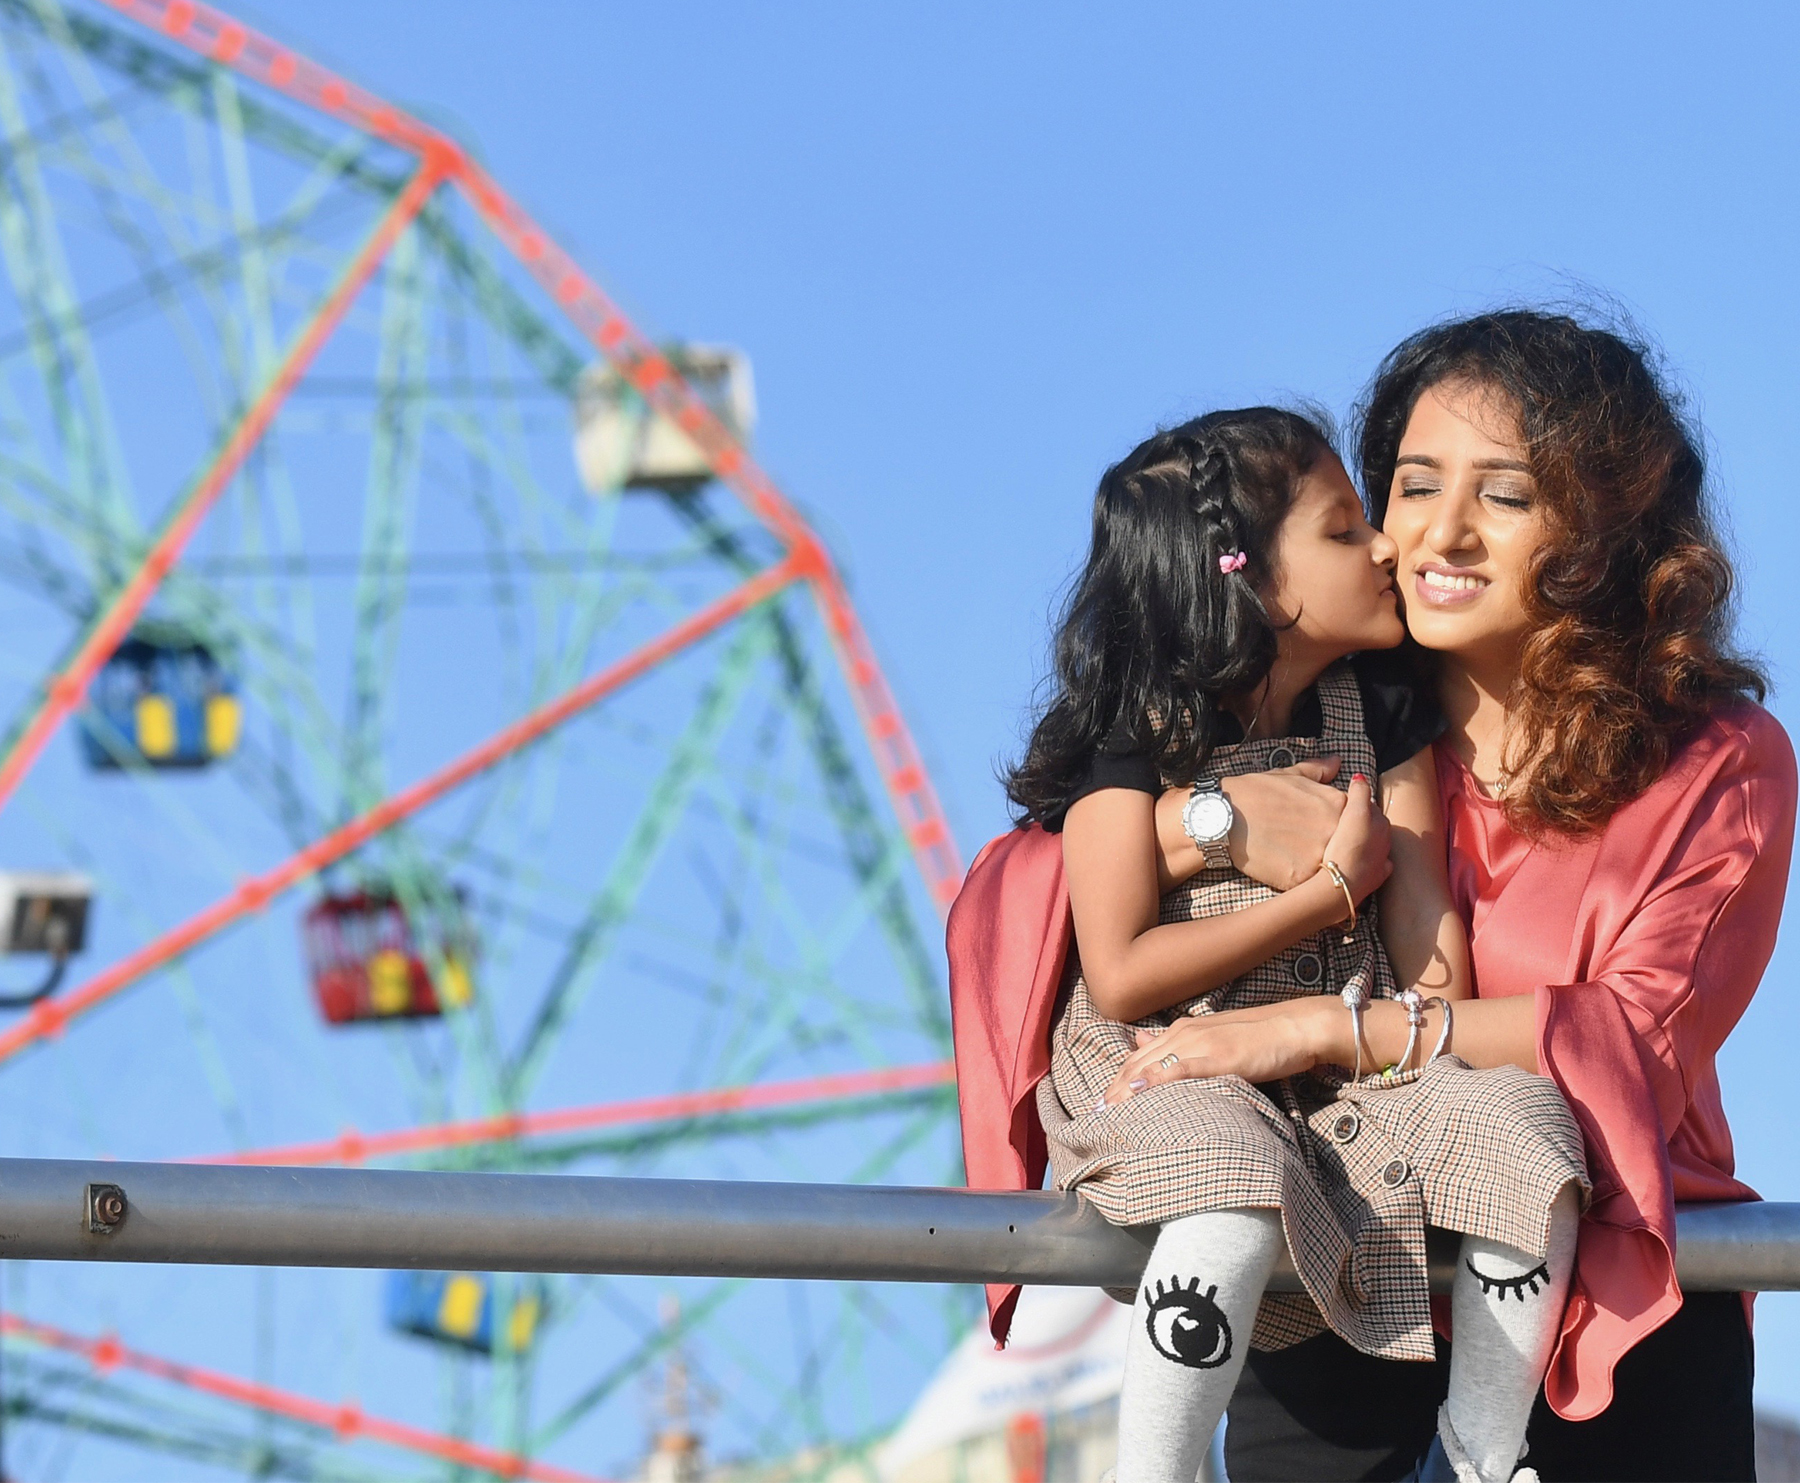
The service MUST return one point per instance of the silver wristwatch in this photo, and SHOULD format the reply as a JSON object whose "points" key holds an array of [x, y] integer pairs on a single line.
{"points": [[1207, 819]]}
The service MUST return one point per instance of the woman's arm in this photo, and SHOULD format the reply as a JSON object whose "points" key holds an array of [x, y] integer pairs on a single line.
{"points": [[1276, 1040], [1134, 966], [1697, 882], [1281, 822], [1425, 938], [1484, 1032]]}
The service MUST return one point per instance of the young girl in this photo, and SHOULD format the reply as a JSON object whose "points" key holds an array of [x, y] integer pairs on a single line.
{"points": [[1229, 620]]}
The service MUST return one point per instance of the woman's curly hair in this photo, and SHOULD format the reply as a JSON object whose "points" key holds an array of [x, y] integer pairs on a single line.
{"points": [[1154, 633], [1631, 593]]}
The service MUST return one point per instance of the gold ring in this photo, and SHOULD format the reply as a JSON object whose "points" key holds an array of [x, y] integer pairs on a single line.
{"points": [[1169, 1060]]}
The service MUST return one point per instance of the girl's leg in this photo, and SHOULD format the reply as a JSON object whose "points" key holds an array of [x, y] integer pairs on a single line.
{"points": [[1506, 1310], [1189, 1334]]}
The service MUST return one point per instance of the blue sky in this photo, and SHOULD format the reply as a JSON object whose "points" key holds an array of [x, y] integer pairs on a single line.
{"points": [[976, 252]]}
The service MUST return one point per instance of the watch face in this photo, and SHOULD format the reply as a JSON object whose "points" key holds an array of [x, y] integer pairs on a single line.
{"points": [[1209, 817]]}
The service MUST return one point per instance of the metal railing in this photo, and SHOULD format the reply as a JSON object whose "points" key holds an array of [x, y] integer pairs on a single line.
{"points": [[65, 1210]]}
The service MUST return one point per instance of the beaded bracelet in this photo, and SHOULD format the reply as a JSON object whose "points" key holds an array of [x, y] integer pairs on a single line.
{"points": [[1356, 1001]]}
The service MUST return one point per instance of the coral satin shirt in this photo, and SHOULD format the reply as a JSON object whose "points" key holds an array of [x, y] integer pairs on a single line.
{"points": [[1642, 945]]}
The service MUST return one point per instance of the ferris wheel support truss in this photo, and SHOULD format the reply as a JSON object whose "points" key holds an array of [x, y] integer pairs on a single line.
{"points": [[66, 691], [51, 1016], [352, 1147], [345, 1421], [218, 38]]}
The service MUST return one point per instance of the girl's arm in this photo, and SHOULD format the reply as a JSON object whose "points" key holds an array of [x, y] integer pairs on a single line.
{"points": [[1423, 935], [1134, 966], [1697, 889]]}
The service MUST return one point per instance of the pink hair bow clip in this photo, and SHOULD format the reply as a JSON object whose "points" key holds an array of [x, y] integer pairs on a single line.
{"points": [[1235, 562]]}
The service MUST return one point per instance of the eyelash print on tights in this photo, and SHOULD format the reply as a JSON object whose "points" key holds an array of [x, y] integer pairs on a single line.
{"points": [[1515, 1285]]}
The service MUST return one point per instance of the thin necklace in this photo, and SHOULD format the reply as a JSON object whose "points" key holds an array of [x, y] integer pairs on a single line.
{"points": [[1256, 715], [1503, 776], [1503, 779]]}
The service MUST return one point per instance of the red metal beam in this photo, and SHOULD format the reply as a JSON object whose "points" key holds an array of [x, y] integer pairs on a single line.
{"points": [[352, 1147], [215, 35], [347, 1421], [909, 784], [51, 1015], [64, 692], [599, 319], [219, 38]]}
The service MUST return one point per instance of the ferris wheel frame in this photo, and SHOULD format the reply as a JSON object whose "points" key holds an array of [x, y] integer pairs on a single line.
{"points": [[802, 560], [220, 39]]}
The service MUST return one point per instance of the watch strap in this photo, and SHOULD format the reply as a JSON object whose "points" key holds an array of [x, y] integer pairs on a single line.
{"points": [[1217, 851]]}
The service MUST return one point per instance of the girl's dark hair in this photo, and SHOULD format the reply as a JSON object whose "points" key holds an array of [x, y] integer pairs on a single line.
{"points": [[1153, 632], [1631, 591]]}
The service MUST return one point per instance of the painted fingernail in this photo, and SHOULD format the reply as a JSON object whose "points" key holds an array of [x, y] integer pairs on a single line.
{"points": [[1138, 1085], [1100, 1106], [1359, 777]]}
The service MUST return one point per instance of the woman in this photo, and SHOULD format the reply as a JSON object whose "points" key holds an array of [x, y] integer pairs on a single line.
{"points": [[1620, 817]]}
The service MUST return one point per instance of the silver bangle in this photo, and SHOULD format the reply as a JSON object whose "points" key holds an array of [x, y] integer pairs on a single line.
{"points": [[1354, 1000], [1443, 1035], [1415, 1021]]}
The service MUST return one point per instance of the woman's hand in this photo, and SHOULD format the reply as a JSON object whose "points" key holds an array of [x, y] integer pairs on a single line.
{"points": [[1282, 821], [1261, 1044], [1359, 844]]}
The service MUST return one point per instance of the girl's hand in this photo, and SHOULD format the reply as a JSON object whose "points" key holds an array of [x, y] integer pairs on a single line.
{"points": [[1262, 1044], [1281, 821], [1284, 819], [1359, 844]]}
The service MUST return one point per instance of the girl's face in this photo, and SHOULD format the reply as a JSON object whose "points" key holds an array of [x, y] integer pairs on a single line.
{"points": [[1466, 518], [1334, 579]]}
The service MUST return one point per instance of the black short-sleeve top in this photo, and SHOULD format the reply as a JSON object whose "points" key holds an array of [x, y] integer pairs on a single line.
{"points": [[1401, 714]]}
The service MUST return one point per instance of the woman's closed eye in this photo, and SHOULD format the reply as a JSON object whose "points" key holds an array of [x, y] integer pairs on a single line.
{"points": [[1508, 497]]}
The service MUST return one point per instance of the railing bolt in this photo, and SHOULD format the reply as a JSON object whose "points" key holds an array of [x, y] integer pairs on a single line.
{"points": [[105, 1208]]}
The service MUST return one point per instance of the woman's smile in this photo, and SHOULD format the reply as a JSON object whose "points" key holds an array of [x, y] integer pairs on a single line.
{"points": [[1441, 586], [1463, 511]]}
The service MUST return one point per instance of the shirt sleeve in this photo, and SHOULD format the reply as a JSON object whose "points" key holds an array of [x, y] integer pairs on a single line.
{"points": [[1687, 901], [1115, 765], [1400, 711], [1697, 898]]}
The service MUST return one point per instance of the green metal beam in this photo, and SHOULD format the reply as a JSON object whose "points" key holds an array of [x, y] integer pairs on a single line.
{"points": [[38, 266], [867, 845], [625, 880], [387, 511]]}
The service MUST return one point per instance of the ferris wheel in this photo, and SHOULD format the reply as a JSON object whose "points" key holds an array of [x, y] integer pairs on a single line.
{"points": [[435, 741]]}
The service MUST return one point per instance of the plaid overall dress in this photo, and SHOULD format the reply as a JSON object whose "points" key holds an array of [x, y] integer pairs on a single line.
{"points": [[1356, 1171]]}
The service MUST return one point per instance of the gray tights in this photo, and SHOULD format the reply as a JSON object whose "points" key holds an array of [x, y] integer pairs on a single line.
{"points": [[1194, 1312]]}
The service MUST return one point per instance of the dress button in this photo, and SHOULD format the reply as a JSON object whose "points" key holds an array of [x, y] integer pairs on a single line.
{"points": [[1395, 1174], [1346, 1126], [1282, 757], [1309, 970]]}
